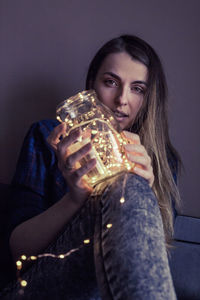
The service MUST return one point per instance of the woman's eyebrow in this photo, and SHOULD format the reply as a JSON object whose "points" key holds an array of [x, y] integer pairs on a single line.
{"points": [[118, 78], [112, 74], [140, 82]]}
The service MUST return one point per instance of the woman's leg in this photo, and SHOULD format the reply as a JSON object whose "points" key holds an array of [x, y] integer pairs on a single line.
{"points": [[130, 257]]}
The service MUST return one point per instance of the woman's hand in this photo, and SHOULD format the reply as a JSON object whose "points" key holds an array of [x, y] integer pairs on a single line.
{"points": [[78, 188], [137, 154]]}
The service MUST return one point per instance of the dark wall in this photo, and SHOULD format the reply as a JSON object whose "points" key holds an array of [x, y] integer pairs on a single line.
{"points": [[45, 49]]}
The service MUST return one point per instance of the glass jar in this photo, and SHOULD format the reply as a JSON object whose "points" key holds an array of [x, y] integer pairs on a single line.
{"points": [[98, 125]]}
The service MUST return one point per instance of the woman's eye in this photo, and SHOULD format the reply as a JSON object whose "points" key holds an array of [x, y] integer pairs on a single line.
{"points": [[137, 89], [110, 82]]}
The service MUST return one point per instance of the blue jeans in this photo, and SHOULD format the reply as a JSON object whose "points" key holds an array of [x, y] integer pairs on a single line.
{"points": [[126, 261]]}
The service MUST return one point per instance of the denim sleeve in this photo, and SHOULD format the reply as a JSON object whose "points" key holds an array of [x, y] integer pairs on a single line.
{"points": [[37, 182]]}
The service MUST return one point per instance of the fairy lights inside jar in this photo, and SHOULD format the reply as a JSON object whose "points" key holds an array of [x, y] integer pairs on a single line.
{"points": [[97, 125]]}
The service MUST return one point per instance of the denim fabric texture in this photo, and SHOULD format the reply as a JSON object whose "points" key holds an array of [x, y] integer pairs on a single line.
{"points": [[127, 261]]}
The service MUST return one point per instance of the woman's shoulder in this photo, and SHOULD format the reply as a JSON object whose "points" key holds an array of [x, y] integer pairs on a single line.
{"points": [[35, 148], [43, 127]]}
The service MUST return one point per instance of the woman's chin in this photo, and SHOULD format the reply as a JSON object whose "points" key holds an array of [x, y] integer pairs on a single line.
{"points": [[124, 125]]}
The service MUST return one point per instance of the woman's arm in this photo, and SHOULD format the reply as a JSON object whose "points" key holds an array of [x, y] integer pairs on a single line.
{"points": [[34, 235]]}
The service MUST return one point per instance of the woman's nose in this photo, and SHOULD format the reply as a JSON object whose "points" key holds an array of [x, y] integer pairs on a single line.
{"points": [[122, 97]]}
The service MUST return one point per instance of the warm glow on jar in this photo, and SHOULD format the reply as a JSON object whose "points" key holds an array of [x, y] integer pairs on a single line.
{"points": [[98, 125]]}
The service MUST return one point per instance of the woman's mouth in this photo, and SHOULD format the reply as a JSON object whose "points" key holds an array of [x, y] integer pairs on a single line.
{"points": [[120, 116]]}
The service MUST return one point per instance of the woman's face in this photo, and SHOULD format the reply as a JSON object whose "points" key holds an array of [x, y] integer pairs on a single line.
{"points": [[120, 84]]}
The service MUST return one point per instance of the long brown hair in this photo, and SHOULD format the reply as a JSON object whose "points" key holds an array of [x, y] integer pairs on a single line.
{"points": [[151, 123]]}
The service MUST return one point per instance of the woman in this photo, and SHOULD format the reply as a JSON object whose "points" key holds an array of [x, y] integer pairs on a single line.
{"points": [[54, 208]]}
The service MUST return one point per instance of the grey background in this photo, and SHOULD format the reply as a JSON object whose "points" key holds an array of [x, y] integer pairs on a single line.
{"points": [[45, 49]]}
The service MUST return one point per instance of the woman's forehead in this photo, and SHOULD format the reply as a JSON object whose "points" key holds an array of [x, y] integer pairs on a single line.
{"points": [[123, 65]]}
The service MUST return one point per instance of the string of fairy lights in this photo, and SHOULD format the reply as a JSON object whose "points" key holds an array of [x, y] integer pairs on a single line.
{"points": [[23, 258]]}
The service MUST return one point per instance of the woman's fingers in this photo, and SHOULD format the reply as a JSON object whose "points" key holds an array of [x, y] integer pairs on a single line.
{"points": [[146, 174], [79, 188], [64, 144], [54, 137], [137, 154], [131, 137], [78, 174], [71, 160], [136, 148], [67, 162], [144, 161]]}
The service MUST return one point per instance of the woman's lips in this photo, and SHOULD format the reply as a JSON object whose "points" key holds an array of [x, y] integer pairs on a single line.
{"points": [[120, 116]]}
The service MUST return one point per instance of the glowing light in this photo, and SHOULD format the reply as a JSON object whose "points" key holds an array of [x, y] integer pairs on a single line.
{"points": [[19, 264], [61, 256], [94, 131], [109, 225], [23, 283], [33, 257], [122, 200], [86, 241], [23, 257]]}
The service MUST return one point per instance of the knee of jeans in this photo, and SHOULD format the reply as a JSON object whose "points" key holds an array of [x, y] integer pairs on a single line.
{"points": [[139, 193], [130, 192], [141, 183]]}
